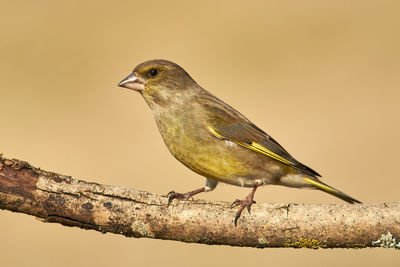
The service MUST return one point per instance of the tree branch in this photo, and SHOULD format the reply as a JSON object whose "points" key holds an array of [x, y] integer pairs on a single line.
{"points": [[133, 213]]}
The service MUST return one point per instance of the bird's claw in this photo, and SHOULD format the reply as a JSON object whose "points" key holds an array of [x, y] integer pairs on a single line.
{"points": [[237, 202], [171, 195], [174, 195]]}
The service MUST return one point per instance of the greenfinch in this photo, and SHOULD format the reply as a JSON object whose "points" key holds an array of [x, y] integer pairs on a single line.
{"points": [[213, 139]]}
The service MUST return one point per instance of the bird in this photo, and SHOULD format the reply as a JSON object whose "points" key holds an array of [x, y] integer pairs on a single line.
{"points": [[215, 140]]}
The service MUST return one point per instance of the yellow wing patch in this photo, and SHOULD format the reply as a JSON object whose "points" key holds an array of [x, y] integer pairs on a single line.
{"points": [[263, 150], [255, 147], [320, 186], [214, 132]]}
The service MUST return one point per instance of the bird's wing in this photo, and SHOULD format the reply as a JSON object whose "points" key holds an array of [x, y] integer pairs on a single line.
{"points": [[248, 135]]}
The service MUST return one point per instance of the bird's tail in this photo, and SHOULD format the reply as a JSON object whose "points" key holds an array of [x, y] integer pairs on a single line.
{"points": [[330, 190]]}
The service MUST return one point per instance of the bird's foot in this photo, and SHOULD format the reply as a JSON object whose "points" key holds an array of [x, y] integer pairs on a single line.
{"points": [[245, 203], [174, 195]]}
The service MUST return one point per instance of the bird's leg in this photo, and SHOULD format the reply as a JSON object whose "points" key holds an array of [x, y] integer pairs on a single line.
{"points": [[210, 185], [246, 203]]}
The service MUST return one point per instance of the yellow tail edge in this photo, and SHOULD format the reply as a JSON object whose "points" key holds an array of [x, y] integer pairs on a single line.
{"points": [[330, 190]]}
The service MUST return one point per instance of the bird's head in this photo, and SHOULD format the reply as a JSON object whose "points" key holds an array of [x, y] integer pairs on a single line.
{"points": [[159, 81]]}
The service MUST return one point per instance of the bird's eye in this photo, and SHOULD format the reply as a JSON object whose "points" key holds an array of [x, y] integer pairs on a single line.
{"points": [[153, 72]]}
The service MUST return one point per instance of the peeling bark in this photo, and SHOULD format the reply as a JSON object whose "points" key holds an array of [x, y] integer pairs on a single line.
{"points": [[60, 199]]}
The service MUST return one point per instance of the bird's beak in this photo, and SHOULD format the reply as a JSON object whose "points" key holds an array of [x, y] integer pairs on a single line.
{"points": [[132, 82]]}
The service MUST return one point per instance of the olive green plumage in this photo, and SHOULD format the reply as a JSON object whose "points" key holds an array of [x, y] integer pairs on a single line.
{"points": [[212, 138]]}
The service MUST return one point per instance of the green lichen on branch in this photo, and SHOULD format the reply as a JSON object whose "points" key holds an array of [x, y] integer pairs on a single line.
{"points": [[356, 246], [306, 243]]}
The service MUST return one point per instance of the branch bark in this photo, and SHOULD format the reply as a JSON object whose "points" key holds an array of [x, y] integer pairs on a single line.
{"points": [[60, 199]]}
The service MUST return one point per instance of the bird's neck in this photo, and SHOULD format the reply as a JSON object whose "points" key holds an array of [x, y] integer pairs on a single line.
{"points": [[170, 110]]}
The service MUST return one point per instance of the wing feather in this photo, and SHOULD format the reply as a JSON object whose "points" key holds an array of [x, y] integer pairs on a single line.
{"points": [[227, 123]]}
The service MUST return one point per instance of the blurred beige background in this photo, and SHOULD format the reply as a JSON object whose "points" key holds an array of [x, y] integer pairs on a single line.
{"points": [[322, 77]]}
